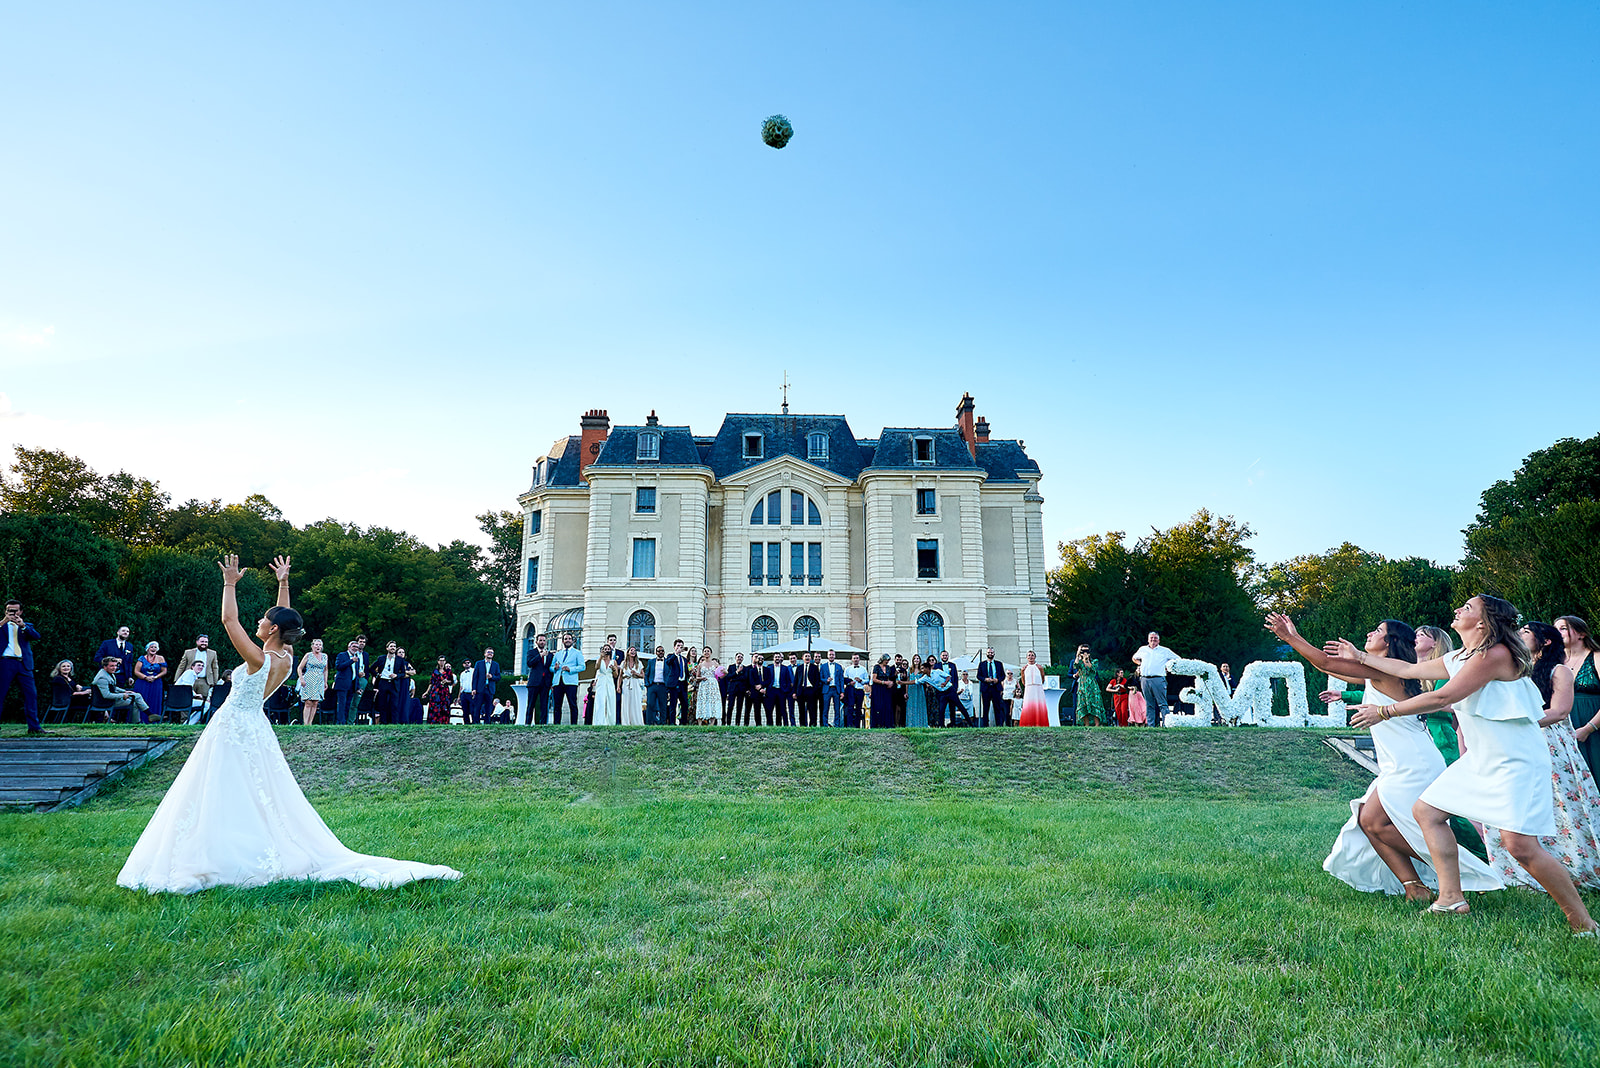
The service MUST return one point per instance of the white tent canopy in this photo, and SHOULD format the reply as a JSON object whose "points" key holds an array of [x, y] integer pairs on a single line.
{"points": [[815, 645]]}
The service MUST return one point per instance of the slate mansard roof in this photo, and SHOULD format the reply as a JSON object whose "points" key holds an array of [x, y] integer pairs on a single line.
{"points": [[786, 435]]}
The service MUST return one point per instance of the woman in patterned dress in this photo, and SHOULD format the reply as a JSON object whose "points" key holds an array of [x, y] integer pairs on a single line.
{"points": [[1576, 843], [441, 684], [1091, 707], [313, 681], [708, 693]]}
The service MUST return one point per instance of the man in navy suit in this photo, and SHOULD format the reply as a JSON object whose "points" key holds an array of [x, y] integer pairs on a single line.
{"points": [[539, 679], [808, 690], [950, 693], [771, 694], [657, 689], [121, 648], [16, 662], [388, 672], [677, 674], [991, 676], [485, 676], [788, 676], [832, 692], [346, 670]]}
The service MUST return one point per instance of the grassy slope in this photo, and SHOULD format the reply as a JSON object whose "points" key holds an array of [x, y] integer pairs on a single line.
{"points": [[778, 897]]}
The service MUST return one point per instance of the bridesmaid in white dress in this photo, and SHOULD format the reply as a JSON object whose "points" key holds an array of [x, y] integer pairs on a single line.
{"points": [[632, 689], [605, 690], [1381, 847], [1503, 777], [235, 815]]}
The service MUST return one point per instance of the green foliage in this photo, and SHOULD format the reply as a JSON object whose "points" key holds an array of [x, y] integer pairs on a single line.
{"points": [[1536, 541], [65, 575], [1190, 583], [120, 506], [1344, 592], [503, 569]]}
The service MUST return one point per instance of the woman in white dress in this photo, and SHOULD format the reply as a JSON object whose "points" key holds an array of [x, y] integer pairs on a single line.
{"points": [[605, 690], [1576, 843], [632, 689], [708, 694], [1381, 847], [1503, 778], [235, 815]]}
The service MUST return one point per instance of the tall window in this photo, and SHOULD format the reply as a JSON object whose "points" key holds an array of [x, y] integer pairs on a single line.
{"points": [[649, 447], [927, 558], [752, 447], [925, 502], [533, 574], [645, 500], [758, 514], [922, 450], [758, 560], [930, 634], [774, 563], [535, 523], [797, 563], [642, 631], [775, 507], [797, 507], [763, 633], [644, 558], [813, 517], [814, 564], [816, 446], [806, 627]]}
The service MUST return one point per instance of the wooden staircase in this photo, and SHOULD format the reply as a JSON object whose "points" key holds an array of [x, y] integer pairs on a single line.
{"points": [[45, 774], [1357, 750]]}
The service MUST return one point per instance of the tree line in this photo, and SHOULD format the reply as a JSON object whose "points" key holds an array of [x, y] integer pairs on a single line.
{"points": [[87, 552], [1535, 541]]}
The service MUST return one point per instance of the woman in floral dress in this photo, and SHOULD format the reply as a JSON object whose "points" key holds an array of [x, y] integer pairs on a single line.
{"points": [[313, 682], [708, 695], [1090, 706], [1576, 843], [440, 686]]}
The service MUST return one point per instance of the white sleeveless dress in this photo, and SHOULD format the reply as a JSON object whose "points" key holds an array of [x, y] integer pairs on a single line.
{"points": [[1408, 762], [1503, 777], [605, 696], [235, 816]]}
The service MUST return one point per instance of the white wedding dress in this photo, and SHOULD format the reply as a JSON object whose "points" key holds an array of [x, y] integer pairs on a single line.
{"points": [[235, 816]]}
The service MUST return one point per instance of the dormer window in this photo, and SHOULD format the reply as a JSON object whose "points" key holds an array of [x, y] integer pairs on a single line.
{"points": [[816, 446], [753, 447], [922, 450], [649, 447]]}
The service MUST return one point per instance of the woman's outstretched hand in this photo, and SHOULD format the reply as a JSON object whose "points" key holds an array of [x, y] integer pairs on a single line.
{"points": [[231, 571], [1341, 649], [1281, 625], [1364, 716], [280, 567]]}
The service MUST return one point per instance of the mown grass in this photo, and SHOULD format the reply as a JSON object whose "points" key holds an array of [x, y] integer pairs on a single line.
{"points": [[736, 897]]}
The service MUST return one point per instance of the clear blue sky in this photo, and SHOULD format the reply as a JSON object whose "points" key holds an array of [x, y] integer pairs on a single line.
{"points": [[371, 261]]}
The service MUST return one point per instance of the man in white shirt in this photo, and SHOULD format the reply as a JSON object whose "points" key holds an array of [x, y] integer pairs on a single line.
{"points": [[1153, 658], [202, 660], [856, 681]]}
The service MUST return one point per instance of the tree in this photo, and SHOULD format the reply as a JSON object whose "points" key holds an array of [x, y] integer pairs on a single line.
{"points": [[120, 506], [1567, 472], [1190, 582], [502, 570]]}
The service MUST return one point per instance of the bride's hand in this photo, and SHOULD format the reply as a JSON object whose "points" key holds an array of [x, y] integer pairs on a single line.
{"points": [[231, 571], [280, 567]]}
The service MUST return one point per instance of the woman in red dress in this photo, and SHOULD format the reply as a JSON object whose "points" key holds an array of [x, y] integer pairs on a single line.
{"points": [[1034, 711]]}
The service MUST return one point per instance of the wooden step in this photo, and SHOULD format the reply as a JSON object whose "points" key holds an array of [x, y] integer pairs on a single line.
{"points": [[46, 782], [34, 798], [9, 768]]}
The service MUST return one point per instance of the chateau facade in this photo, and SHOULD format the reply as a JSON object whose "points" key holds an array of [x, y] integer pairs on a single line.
{"points": [[782, 525]]}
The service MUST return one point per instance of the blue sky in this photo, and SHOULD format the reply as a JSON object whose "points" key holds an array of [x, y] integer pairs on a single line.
{"points": [[372, 260]]}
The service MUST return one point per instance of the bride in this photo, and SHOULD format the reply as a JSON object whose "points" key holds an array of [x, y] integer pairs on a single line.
{"points": [[235, 815]]}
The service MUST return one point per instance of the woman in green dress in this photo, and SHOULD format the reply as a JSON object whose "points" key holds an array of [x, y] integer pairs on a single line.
{"points": [[1091, 706], [1580, 649]]}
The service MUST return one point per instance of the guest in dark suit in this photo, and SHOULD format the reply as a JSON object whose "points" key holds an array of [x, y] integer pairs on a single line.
{"points": [[485, 677], [808, 690], [832, 673], [657, 689], [540, 676], [950, 693], [771, 690], [788, 678], [121, 648], [733, 686], [16, 662], [1228, 679], [991, 676], [755, 695], [387, 673], [346, 670]]}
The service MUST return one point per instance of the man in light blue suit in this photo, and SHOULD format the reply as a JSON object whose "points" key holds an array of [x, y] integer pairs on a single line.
{"points": [[832, 691], [566, 666]]}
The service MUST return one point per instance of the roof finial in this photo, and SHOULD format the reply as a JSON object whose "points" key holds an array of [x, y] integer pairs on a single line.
{"points": [[786, 393]]}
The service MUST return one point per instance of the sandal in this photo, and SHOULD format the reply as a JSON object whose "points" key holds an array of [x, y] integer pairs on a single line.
{"points": [[1416, 882], [1458, 909], [1593, 932]]}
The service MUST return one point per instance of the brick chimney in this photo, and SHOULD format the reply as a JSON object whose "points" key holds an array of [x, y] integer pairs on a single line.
{"points": [[596, 428], [964, 423], [981, 431], [652, 421]]}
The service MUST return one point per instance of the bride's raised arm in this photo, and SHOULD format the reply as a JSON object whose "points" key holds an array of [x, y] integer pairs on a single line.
{"points": [[249, 650]]}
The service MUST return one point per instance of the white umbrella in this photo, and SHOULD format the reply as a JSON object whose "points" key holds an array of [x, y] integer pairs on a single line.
{"points": [[814, 645]]}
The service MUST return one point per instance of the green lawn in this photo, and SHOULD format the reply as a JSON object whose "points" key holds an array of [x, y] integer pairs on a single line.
{"points": [[786, 897]]}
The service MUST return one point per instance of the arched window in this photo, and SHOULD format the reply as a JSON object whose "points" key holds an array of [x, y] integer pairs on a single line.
{"points": [[806, 627], [763, 633], [568, 622], [649, 447], [530, 632], [930, 634], [813, 517], [642, 633], [816, 446], [759, 512]]}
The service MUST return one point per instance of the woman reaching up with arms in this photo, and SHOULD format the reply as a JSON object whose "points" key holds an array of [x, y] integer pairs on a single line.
{"points": [[235, 816], [1503, 778]]}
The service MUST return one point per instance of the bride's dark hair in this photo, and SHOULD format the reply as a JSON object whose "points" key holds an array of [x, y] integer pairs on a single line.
{"points": [[1402, 641], [289, 623]]}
